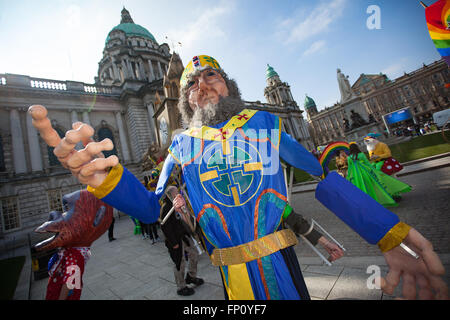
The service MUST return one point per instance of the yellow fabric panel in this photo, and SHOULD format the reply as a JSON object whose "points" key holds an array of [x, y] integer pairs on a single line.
{"points": [[224, 133], [382, 150], [208, 175], [109, 184], [235, 196], [394, 237], [253, 166], [239, 286]]}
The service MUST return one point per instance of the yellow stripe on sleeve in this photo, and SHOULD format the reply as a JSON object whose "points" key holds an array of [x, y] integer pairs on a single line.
{"points": [[109, 184], [394, 237]]}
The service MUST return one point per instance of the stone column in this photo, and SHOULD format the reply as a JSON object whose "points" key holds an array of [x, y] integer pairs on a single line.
{"points": [[86, 118], [115, 72], [130, 68], [160, 70], [20, 165], [125, 70], [122, 137], [73, 116], [33, 145], [296, 128], [141, 70], [152, 72], [152, 122]]}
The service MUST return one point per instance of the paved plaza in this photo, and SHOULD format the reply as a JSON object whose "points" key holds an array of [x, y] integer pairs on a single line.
{"points": [[133, 268]]}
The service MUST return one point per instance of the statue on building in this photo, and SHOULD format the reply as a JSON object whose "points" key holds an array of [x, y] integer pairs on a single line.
{"points": [[357, 120], [344, 86], [346, 124]]}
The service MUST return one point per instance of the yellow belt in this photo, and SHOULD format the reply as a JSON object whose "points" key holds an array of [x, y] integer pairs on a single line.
{"points": [[255, 249]]}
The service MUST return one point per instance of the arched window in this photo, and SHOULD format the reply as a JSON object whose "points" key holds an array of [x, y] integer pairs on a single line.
{"points": [[2, 157], [103, 133], [52, 159]]}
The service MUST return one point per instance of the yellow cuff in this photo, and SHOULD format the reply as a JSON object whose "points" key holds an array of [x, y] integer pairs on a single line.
{"points": [[111, 181], [394, 237]]}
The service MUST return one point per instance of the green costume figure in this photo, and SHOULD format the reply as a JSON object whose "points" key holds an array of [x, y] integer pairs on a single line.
{"points": [[381, 187], [137, 226]]}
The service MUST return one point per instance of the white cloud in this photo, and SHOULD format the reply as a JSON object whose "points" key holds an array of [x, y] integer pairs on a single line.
{"points": [[396, 69], [205, 27], [315, 47], [315, 23], [73, 13]]}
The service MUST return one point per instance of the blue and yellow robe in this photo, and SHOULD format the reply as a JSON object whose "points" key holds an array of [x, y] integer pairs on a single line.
{"points": [[237, 190]]}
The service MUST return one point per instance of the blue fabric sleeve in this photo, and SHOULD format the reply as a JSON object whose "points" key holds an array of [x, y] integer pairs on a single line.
{"points": [[358, 210], [131, 197], [166, 171], [296, 155]]}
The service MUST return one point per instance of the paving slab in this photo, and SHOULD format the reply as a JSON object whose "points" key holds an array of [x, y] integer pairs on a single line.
{"points": [[352, 284], [319, 285], [147, 269]]}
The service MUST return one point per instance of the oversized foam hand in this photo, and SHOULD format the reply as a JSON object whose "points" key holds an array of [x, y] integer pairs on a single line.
{"points": [[88, 165], [421, 277], [85, 220]]}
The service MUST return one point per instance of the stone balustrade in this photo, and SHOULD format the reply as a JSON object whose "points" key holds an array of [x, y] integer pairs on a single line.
{"points": [[22, 81]]}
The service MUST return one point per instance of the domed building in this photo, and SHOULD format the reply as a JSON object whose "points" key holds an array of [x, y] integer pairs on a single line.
{"points": [[310, 106], [132, 101], [281, 103], [132, 53]]}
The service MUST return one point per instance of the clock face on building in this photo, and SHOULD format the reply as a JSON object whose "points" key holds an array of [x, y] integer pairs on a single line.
{"points": [[163, 131]]}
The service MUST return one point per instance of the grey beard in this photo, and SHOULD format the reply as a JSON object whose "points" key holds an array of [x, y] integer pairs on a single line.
{"points": [[213, 114]]}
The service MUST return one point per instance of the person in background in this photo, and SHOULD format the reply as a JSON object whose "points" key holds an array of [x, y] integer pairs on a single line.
{"points": [[153, 232], [178, 241], [111, 229]]}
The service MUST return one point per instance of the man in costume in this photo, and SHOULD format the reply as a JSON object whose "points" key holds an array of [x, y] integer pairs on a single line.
{"points": [[230, 160], [381, 156], [85, 220]]}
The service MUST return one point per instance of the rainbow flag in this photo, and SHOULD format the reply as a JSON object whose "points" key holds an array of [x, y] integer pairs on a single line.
{"points": [[438, 20], [331, 151]]}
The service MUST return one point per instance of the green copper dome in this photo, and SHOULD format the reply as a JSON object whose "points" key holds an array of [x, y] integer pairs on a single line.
{"points": [[270, 72], [130, 28], [309, 103]]}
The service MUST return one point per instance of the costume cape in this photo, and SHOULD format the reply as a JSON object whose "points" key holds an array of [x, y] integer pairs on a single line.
{"points": [[237, 190], [380, 186]]}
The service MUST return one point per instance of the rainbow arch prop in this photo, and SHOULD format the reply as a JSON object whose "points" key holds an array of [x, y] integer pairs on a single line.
{"points": [[437, 16], [331, 151]]}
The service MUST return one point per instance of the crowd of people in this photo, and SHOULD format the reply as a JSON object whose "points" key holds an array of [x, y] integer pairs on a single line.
{"points": [[417, 129]]}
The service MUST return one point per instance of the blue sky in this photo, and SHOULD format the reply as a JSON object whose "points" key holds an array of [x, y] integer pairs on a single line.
{"points": [[304, 41]]}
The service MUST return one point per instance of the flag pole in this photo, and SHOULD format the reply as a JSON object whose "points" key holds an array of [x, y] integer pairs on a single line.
{"points": [[423, 4]]}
